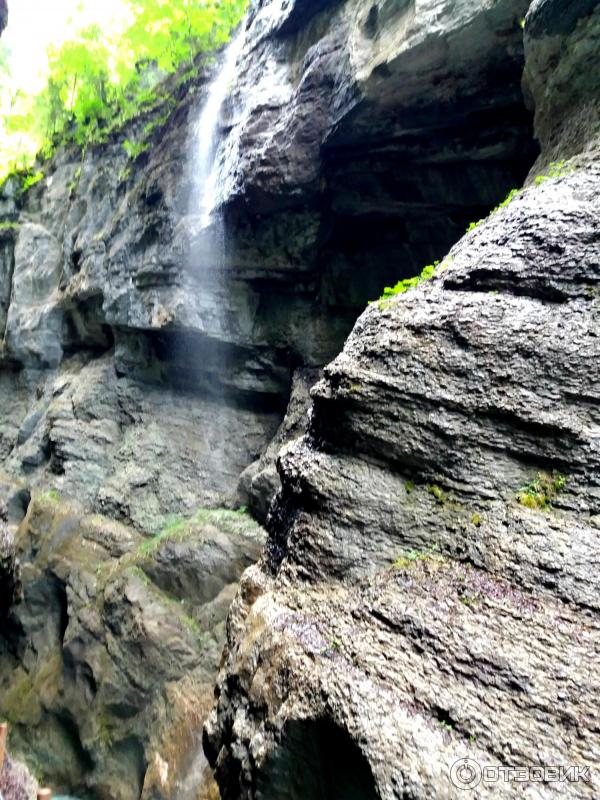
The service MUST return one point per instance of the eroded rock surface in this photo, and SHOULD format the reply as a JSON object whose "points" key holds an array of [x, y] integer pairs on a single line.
{"points": [[107, 665], [358, 141], [429, 591], [145, 377], [16, 782]]}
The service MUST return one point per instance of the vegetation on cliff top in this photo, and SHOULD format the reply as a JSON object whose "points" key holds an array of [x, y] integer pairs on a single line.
{"points": [[97, 80]]}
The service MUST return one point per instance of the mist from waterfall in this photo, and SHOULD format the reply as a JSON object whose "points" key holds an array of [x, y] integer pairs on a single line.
{"points": [[205, 343]]}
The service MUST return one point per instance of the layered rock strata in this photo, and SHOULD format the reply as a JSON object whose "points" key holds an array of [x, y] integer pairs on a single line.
{"points": [[429, 591], [358, 141]]}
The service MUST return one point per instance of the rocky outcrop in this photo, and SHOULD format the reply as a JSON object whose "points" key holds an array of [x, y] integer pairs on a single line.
{"points": [[103, 406], [259, 483], [427, 606], [112, 290], [145, 374], [107, 665], [3, 15]]}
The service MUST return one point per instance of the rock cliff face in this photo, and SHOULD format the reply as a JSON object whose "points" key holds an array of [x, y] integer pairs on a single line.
{"points": [[429, 591], [357, 143], [144, 375]]}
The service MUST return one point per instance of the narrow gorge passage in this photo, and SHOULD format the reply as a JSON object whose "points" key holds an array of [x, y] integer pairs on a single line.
{"points": [[299, 468]]}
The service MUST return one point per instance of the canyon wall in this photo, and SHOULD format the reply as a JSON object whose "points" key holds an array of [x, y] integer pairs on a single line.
{"points": [[140, 372], [146, 381], [427, 604]]}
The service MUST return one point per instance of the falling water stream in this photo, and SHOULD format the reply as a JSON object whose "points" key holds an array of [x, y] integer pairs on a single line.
{"points": [[205, 206], [207, 167]]}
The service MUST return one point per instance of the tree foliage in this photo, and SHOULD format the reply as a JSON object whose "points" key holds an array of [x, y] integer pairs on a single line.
{"points": [[97, 82]]}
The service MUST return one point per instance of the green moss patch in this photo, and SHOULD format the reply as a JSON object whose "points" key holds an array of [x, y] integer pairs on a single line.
{"points": [[541, 492]]}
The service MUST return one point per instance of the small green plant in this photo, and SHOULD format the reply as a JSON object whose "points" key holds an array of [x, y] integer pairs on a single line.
{"points": [[160, 121], [508, 199], [541, 492], [469, 599], [409, 487], [51, 496], [405, 285], [124, 174], [436, 492], [413, 557], [476, 519], [7, 227], [179, 528], [556, 169], [135, 149], [522, 23], [30, 179], [75, 182]]}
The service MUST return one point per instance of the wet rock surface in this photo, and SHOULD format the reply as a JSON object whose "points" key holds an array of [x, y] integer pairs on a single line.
{"points": [[107, 664], [357, 142], [428, 592]]}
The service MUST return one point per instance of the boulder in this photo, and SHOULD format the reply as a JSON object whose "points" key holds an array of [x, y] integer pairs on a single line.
{"points": [[107, 670]]}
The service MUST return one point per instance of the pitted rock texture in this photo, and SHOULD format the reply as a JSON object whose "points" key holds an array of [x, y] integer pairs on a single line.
{"points": [[16, 782], [429, 590], [107, 665]]}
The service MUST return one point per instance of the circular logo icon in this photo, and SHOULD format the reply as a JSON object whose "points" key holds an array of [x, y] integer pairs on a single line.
{"points": [[465, 773]]}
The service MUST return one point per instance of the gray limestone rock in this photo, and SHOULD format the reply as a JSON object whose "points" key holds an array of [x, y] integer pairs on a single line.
{"points": [[428, 599], [357, 142]]}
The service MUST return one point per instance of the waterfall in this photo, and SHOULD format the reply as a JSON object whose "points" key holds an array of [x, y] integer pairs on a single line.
{"points": [[208, 168]]}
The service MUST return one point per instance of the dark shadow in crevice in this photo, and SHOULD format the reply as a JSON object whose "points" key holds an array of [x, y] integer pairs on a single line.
{"points": [[316, 760]]}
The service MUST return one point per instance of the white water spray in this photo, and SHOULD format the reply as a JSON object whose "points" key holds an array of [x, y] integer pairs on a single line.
{"points": [[208, 173]]}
